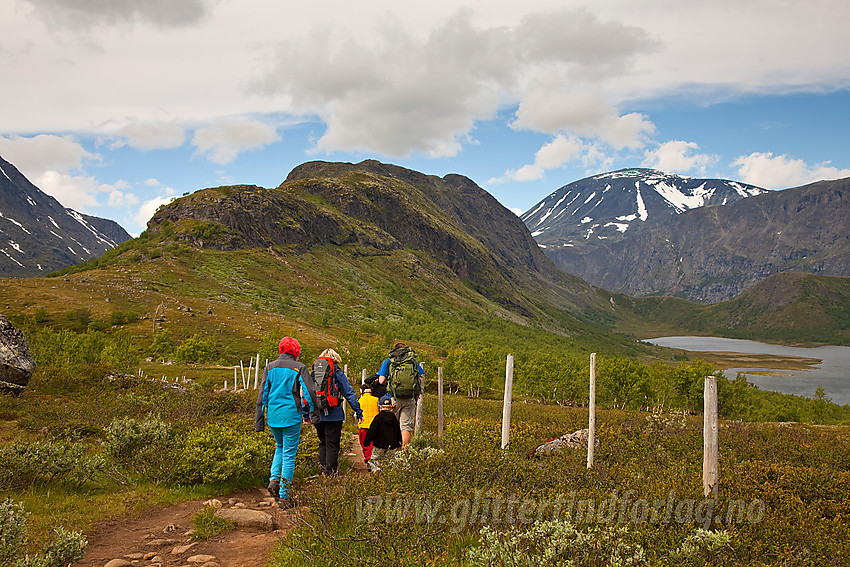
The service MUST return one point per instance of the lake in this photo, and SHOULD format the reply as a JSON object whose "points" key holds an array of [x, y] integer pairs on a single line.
{"points": [[833, 373]]}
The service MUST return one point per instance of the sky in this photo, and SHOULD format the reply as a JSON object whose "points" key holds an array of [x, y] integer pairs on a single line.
{"points": [[115, 107]]}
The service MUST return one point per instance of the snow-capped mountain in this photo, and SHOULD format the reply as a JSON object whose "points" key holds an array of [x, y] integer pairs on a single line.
{"points": [[39, 235], [611, 205]]}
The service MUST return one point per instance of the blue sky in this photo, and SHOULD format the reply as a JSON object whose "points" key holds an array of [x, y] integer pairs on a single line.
{"points": [[116, 106]]}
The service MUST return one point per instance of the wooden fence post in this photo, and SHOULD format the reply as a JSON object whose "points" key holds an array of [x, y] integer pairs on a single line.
{"points": [[440, 402], [363, 376], [710, 441], [257, 372], [591, 420], [506, 406]]}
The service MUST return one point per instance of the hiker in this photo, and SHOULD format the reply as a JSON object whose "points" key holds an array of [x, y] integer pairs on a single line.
{"points": [[285, 382], [384, 433], [369, 405], [403, 376], [331, 385]]}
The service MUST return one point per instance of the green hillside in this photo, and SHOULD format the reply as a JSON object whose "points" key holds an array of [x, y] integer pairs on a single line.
{"points": [[342, 247], [786, 307]]}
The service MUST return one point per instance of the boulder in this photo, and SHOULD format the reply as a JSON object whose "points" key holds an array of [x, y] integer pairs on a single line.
{"points": [[16, 362], [574, 440], [245, 518]]}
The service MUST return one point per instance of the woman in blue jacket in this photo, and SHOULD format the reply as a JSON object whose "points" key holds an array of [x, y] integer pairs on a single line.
{"points": [[329, 428], [286, 381]]}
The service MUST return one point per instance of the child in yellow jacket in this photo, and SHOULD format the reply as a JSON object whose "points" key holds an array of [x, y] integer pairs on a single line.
{"points": [[369, 405]]}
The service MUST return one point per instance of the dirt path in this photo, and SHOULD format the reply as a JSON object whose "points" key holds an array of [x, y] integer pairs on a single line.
{"points": [[159, 537]]}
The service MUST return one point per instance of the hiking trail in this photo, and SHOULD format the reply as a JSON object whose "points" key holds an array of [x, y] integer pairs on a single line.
{"points": [[159, 537]]}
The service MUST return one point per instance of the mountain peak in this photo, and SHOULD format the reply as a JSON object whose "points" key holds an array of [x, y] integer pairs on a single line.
{"points": [[607, 205], [38, 235]]}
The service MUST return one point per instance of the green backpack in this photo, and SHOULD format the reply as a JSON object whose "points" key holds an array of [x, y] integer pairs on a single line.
{"points": [[404, 379]]}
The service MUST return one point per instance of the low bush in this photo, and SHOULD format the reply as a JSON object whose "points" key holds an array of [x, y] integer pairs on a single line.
{"points": [[225, 451], [145, 447], [65, 548], [24, 464], [556, 543]]}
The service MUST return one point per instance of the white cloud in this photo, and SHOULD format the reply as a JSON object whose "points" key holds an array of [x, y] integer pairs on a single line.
{"points": [[152, 182], [553, 154], [223, 142], [118, 198], [34, 156], [779, 172], [152, 135], [147, 209], [677, 156], [84, 193], [398, 93]]}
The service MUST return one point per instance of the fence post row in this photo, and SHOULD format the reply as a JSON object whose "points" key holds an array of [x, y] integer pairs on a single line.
{"points": [[591, 420], [506, 407]]}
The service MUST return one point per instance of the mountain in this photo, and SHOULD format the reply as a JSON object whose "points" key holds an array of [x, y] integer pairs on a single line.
{"points": [[612, 206], [358, 248], [375, 209], [714, 253], [39, 235]]}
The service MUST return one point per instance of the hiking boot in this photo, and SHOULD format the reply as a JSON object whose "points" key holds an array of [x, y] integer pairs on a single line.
{"points": [[287, 503], [274, 488]]}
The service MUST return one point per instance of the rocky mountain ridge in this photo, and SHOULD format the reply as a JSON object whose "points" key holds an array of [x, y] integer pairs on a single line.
{"points": [[38, 235]]}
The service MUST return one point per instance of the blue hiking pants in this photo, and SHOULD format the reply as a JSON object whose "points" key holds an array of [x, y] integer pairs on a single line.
{"points": [[286, 447]]}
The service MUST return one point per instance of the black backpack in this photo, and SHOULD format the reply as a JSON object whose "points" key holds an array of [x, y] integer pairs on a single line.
{"points": [[327, 390], [375, 386]]}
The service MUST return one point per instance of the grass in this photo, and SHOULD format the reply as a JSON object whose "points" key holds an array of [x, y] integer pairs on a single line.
{"points": [[206, 524], [785, 476]]}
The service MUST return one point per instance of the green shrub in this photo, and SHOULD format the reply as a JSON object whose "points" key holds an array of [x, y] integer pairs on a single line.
{"points": [[195, 349], [24, 464], [79, 318], [145, 447], [123, 317], [225, 451], [64, 549], [163, 346], [13, 530], [98, 325]]}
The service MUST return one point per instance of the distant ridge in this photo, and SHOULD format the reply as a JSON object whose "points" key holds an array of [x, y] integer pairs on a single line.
{"points": [[38, 235]]}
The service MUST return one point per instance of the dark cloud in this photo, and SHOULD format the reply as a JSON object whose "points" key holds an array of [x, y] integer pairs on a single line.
{"points": [[85, 13]]}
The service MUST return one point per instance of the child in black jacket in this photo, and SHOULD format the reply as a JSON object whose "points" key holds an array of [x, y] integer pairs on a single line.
{"points": [[384, 434]]}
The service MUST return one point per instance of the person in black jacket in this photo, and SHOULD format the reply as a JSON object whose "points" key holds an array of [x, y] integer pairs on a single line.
{"points": [[384, 434]]}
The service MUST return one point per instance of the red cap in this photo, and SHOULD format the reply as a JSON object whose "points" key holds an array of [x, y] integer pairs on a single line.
{"points": [[289, 345]]}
